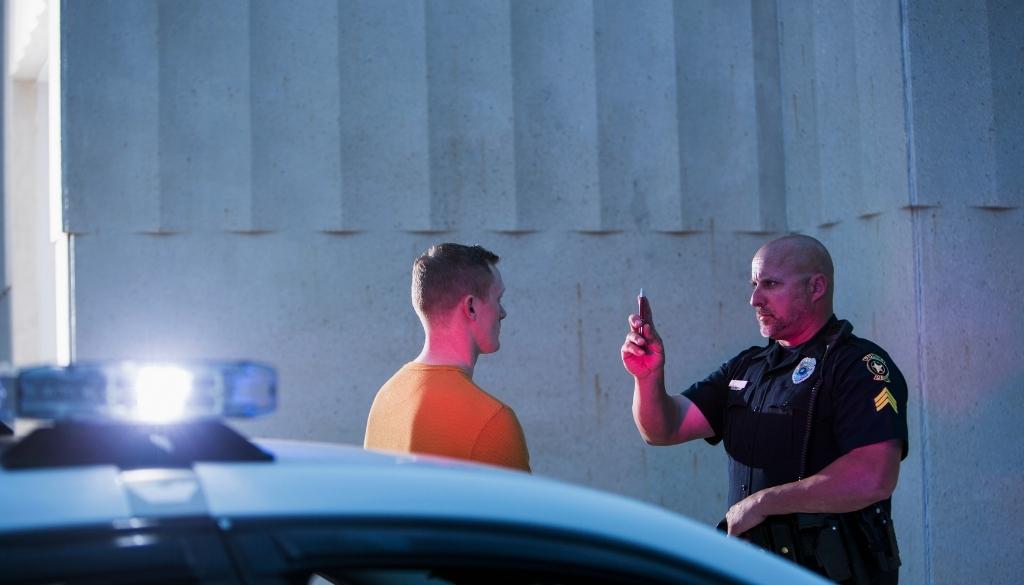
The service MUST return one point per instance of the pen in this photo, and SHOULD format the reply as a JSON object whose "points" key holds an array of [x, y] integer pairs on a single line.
{"points": [[643, 310]]}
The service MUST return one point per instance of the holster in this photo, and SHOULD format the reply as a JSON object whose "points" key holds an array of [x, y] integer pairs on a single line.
{"points": [[878, 537]]}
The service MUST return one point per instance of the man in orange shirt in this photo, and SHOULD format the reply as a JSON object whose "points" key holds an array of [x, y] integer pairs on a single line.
{"points": [[431, 405]]}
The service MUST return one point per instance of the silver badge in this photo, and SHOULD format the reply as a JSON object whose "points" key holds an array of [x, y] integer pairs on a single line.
{"points": [[804, 370]]}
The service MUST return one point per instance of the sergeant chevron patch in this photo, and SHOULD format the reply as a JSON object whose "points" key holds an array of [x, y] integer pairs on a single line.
{"points": [[885, 398]]}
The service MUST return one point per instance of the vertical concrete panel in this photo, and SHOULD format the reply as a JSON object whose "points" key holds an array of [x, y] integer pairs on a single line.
{"points": [[637, 125], [969, 269], [798, 64], [384, 105], [838, 109], [555, 115], [110, 101], [205, 113], [974, 358], [842, 110], [1006, 46], [296, 135], [718, 115], [882, 160], [771, 159], [950, 70], [472, 149]]}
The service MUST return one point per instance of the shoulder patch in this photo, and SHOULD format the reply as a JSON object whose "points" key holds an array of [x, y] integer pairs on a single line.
{"points": [[876, 365], [885, 398]]}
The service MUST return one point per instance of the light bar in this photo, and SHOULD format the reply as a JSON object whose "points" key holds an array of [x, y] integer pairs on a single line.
{"points": [[148, 392]]}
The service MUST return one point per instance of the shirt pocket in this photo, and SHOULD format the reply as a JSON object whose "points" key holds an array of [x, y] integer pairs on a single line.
{"points": [[789, 427], [776, 435], [739, 423]]}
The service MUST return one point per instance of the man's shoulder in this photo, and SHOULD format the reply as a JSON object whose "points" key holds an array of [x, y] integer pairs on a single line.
{"points": [[447, 379], [489, 399], [863, 352], [855, 346], [752, 352]]}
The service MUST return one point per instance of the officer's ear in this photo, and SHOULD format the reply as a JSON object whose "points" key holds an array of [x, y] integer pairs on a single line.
{"points": [[468, 307], [818, 286]]}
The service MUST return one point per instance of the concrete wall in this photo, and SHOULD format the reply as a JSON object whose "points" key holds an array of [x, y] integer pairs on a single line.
{"points": [[254, 179]]}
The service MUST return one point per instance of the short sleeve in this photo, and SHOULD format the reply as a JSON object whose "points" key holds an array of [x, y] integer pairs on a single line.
{"points": [[502, 442], [870, 398], [710, 396]]}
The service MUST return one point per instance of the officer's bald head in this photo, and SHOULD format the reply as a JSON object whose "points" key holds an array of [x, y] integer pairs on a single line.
{"points": [[799, 254]]}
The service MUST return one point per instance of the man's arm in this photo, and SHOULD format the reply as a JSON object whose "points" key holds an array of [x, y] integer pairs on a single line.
{"points": [[666, 420], [660, 418], [862, 477]]}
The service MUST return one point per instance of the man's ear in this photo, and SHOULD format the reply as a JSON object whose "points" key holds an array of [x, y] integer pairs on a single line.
{"points": [[467, 307], [819, 286]]}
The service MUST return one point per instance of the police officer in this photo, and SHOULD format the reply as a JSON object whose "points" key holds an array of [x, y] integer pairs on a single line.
{"points": [[814, 423]]}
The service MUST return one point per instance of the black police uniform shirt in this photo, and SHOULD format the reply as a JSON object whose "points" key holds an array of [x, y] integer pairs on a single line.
{"points": [[758, 402]]}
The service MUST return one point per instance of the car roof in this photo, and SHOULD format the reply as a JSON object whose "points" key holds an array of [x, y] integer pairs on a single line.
{"points": [[318, 480]]}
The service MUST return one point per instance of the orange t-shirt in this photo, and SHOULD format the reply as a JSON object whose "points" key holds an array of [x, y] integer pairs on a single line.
{"points": [[440, 411]]}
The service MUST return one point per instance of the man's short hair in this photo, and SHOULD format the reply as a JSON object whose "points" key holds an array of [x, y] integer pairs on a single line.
{"points": [[446, 273]]}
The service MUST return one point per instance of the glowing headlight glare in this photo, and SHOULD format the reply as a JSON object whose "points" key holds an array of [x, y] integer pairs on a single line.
{"points": [[162, 393]]}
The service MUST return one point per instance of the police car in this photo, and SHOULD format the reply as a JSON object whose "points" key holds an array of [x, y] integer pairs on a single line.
{"points": [[136, 479]]}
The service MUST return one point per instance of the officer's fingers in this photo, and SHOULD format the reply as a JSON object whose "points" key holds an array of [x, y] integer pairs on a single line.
{"points": [[731, 519], [651, 335], [636, 337], [645, 328], [631, 348], [634, 322], [649, 331]]}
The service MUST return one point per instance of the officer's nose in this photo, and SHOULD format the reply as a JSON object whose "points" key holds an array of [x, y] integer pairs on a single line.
{"points": [[756, 298]]}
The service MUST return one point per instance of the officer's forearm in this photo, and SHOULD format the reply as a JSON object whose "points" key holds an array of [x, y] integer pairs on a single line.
{"points": [[656, 415], [858, 479], [663, 419]]}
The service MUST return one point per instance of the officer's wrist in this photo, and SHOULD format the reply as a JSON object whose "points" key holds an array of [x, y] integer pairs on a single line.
{"points": [[767, 502]]}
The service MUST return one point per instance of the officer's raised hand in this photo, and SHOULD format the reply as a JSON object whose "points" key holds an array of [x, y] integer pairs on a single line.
{"points": [[660, 418], [642, 352]]}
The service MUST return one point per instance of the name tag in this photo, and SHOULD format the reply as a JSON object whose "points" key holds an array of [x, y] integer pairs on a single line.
{"points": [[737, 384]]}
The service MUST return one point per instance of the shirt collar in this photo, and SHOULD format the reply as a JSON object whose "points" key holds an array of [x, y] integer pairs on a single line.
{"points": [[779, 356]]}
